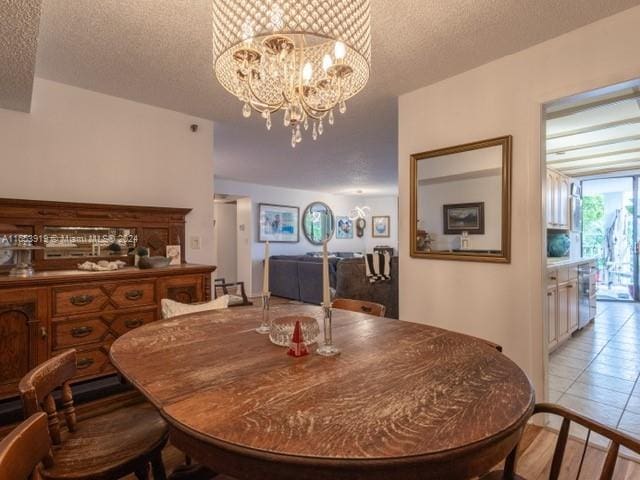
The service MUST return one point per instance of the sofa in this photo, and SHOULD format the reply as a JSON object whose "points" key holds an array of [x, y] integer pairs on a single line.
{"points": [[352, 282], [299, 277]]}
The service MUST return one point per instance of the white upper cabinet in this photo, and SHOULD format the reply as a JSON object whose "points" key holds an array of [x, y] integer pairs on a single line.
{"points": [[558, 191]]}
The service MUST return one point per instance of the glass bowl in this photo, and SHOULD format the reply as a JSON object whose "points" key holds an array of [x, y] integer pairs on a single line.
{"points": [[282, 330]]}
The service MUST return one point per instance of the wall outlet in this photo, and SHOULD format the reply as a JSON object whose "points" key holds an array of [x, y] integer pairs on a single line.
{"points": [[194, 243]]}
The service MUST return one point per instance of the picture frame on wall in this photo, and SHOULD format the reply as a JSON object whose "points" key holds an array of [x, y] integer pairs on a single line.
{"points": [[463, 217], [344, 228], [278, 223], [381, 226]]}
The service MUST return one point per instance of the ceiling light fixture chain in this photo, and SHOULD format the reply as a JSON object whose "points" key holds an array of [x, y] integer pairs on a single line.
{"points": [[304, 57]]}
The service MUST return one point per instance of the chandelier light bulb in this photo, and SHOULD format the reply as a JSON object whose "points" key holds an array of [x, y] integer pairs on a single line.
{"points": [[326, 62], [307, 72], [340, 50]]}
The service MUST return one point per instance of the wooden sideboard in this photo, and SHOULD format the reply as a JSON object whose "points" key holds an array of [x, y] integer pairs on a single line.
{"points": [[60, 307], [56, 310]]}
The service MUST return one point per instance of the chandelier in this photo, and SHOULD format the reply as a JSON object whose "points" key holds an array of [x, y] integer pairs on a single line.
{"points": [[304, 57]]}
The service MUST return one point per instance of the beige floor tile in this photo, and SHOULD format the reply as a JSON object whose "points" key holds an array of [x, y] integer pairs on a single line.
{"points": [[597, 411], [605, 381], [634, 404], [617, 361], [626, 347], [568, 351], [614, 371], [630, 422], [565, 371], [558, 383], [562, 360], [599, 394], [617, 353], [554, 395]]}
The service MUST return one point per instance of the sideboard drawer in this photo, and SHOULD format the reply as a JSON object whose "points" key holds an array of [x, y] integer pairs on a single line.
{"points": [[73, 333], [125, 322], [134, 294], [72, 300], [92, 362]]}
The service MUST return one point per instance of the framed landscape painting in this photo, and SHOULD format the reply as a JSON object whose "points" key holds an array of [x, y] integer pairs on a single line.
{"points": [[463, 217], [380, 226], [278, 223], [344, 228]]}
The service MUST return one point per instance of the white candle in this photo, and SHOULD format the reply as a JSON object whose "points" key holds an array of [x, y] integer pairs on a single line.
{"points": [[326, 295], [265, 278]]}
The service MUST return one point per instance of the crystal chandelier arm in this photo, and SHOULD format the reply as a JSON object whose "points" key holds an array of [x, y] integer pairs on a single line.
{"points": [[256, 98], [307, 107]]}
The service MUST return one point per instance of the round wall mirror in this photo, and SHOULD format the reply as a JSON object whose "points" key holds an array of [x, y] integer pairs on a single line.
{"points": [[318, 223]]}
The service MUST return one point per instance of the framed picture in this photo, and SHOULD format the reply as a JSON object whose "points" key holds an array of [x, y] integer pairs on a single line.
{"points": [[173, 252], [344, 228], [380, 226], [463, 217], [278, 223]]}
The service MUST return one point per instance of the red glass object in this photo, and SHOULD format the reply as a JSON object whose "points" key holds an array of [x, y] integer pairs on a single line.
{"points": [[297, 347]]}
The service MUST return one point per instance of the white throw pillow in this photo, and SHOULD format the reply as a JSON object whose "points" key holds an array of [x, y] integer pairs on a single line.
{"points": [[171, 308]]}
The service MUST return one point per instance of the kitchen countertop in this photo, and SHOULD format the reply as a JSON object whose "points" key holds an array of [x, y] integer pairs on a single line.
{"points": [[553, 262]]}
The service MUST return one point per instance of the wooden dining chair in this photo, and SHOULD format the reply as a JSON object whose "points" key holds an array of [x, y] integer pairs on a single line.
{"points": [[25, 448], [361, 306], [103, 447], [617, 438]]}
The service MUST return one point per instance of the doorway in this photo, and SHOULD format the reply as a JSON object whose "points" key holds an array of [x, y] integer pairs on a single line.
{"points": [[592, 314], [609, 235]]}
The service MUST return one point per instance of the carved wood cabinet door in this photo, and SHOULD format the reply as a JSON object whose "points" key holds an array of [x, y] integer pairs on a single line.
{"points": [[186, 288], [23, 335]]}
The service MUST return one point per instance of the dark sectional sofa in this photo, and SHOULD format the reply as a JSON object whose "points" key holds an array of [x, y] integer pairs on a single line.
{"points": [[299, 277]]}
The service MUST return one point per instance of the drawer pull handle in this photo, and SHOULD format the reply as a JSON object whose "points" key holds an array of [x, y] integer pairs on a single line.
{"points": [[132, 323], [81, 300], [134, 294], [83, 363], [366, 309], [79, 332], [553, 278]]}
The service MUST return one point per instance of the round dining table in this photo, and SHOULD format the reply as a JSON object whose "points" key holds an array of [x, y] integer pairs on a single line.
{"points": [[401, 401]]}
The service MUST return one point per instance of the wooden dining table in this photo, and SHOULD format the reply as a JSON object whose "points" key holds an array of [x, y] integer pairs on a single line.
{"points": [[402, 400]]}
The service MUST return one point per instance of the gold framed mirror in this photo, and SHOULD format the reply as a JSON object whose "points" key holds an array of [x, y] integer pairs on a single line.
{"points": [[461, 202]]}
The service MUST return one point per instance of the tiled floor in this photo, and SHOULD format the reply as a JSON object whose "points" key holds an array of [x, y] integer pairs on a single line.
{"points": [[596, 371]]}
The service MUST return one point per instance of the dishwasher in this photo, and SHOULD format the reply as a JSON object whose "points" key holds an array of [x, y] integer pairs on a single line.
{"points": [[586, 294]]}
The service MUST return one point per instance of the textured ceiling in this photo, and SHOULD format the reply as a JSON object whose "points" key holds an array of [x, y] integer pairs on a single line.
{"points": [[159, 52], [19, 22]]}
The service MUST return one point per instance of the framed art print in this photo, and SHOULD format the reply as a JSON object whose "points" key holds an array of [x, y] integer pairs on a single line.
{"points": [[344, 228], [278, 223], [380, 226], [463, 217]]}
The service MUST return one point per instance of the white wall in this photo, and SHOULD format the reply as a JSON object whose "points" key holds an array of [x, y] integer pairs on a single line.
{"points": [[381, 206], [340, 204], [503, 302], [432, 197], [225, 239], [81, 146]]}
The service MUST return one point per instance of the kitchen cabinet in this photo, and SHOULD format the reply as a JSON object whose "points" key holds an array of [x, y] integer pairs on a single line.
{"points": [[561, 304], [552, 317], [557, 199]]}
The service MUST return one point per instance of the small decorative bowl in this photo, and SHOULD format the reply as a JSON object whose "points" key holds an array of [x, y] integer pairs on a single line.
{"points": [[282, 330]]}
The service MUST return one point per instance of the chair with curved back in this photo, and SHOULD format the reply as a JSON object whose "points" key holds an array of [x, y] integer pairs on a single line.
{"points": [[361, 306], [104, 447], [617, 438], [25, 448]]}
